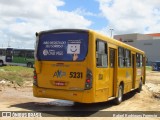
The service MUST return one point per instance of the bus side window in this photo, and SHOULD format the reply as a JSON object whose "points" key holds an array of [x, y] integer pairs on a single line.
{"points": [[121, 57], [29, 54], [1, 52], [101, 54], [127, 58], [139, 60]]}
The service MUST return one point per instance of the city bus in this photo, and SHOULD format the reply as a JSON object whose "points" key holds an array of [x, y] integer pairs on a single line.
{"points": [[85, 67], [17, 56]]}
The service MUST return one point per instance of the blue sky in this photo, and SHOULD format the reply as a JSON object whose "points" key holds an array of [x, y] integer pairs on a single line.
{"points": [[20, 19], [89, 5], [89, 9]]}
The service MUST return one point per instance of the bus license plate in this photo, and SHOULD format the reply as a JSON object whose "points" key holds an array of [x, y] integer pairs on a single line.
{"points": [[59, 83]]}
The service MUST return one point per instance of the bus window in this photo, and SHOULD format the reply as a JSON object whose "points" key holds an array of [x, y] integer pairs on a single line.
{"points": [[127, 58], [139, 60], [29, 54], [16, 53], [8, 52], [2, 52], [121, 59], [63, 46], [19, 53], [101, 54]]}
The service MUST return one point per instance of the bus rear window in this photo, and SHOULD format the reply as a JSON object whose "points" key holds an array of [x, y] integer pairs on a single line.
{"points": [[63, 46]]}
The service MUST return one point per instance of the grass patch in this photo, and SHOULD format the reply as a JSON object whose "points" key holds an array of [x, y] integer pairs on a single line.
{"points": [[148, 68], [16, 74]]}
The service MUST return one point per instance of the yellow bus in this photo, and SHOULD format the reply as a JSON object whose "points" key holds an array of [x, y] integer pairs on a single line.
{"points": [[86, 67]]}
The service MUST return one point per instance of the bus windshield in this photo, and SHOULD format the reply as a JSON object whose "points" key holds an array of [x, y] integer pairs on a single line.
{"points": [[63, 46]]}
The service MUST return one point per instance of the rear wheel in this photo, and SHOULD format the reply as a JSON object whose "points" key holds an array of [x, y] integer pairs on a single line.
{"points": [[118, 100], [30, 65]]}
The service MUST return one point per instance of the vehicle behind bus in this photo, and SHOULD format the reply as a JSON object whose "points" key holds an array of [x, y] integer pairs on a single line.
{"points": [[16, 56], [156, 66]]}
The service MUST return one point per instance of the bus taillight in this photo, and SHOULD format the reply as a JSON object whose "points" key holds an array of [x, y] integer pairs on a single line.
{"points": [[34, 78], [88, 84], [88, 80]]}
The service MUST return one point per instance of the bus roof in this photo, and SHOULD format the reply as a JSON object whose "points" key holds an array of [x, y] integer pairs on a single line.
{"points": [[117, 42], [111, 40], [62, 30]]}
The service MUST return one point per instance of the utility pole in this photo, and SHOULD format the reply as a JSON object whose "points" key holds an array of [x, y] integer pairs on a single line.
{"points": [[8, 43], [111, 31]]}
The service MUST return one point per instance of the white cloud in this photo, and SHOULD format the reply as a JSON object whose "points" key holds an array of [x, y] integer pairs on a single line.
{"points": [[20, 19], [84, 12], [129, 16]]}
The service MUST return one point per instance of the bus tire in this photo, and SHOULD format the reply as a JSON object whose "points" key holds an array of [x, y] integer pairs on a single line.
{"points": [[1, 63], [118, 100], [30, 65], [140, 86]]}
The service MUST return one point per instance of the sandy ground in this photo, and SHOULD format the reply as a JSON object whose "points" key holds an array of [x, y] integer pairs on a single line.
{"points": [[21, 99]]}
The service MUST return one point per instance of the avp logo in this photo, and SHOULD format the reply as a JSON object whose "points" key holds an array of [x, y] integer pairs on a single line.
{"points": [[59, 74]]}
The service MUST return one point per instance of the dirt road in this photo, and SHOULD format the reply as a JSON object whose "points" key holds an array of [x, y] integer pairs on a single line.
{"points": [[21, 99]]}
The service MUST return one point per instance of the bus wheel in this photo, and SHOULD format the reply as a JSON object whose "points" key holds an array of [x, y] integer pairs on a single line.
{"points": [[118, 100], [30, 65], [1, 63], [140, 86]]}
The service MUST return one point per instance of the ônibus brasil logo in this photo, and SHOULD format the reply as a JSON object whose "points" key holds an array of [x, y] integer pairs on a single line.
{"points": [[59, 74]]}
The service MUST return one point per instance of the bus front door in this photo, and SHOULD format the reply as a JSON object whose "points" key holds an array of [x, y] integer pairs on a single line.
{"points": [[9, 52]]}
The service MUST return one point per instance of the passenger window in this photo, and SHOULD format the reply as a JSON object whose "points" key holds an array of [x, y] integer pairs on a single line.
{"points": [[127, 58], [121, 57], [139, 60], [101, 54]]}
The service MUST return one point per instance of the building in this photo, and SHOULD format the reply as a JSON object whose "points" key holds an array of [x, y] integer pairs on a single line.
{"points": [[150, 43]]}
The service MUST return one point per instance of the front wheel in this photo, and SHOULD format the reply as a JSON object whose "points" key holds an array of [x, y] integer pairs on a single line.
{"points": [[118, 100]]}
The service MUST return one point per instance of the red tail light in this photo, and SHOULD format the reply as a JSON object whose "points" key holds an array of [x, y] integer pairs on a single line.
{"points": [[88, 80], [88, 84], [35, 78]]}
